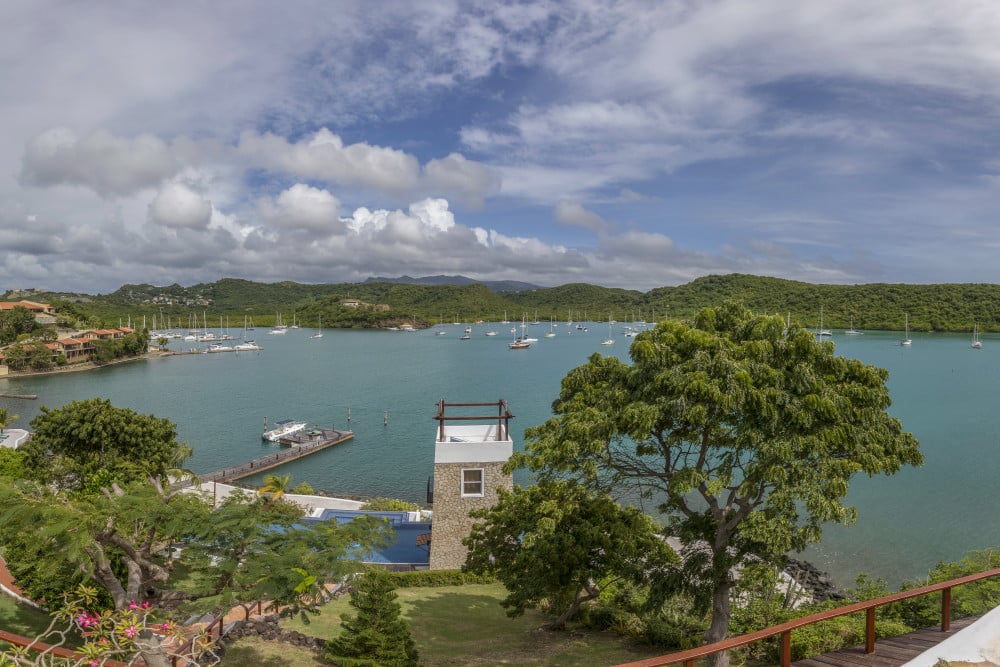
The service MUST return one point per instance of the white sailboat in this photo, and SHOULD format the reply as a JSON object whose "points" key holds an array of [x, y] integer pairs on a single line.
{"points": [[550, 333], [906, 342], [319, 331], [976, 343], [609, 340], [821, 332], [852, 331]]}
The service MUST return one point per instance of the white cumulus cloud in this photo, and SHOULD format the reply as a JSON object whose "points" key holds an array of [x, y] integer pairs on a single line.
{"points": [[177, 205]]}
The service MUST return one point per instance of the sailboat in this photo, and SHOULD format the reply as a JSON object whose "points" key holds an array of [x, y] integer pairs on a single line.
{"points": [[821, 332], [609, 340], [906, 342], [550, 333], [522, 342], [976, 343], [852, 331], [319, 332], [441, 331]]}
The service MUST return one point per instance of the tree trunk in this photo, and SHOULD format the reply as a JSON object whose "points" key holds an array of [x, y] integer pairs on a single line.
{"points": [[151, 650], [719, 628]]}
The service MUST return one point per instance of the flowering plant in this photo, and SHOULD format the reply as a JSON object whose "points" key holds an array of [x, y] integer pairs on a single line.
{"points": [[108, 636]]}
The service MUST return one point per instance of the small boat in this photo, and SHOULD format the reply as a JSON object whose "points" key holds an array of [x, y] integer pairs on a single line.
{"points": [[976, 343], [246, 345], [821, 332], [550, 333], [609, 340], [319, 331], [906, 342], [283, 428], [518, 344], [852, 331]]}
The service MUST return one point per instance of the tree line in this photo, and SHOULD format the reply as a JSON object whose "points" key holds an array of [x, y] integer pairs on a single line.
{"points": [[876, 306]]}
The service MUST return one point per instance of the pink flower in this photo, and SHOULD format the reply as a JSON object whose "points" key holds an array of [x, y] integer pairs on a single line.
{"points": [[132, 605], [86, 620], [165, 627], [131, 631]]}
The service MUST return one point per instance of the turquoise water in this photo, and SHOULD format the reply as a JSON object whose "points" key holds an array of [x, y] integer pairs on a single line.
{"points": [[942, 391]]}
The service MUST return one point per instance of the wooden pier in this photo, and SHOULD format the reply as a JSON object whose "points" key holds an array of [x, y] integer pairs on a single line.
{"points": [[299, 445]]}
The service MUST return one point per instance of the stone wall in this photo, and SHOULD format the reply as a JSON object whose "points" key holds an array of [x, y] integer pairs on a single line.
{"points": [[451, 510], [267, 628]]}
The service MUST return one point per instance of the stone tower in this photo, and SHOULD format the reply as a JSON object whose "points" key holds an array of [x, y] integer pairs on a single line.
{"points": [[469, 454]]}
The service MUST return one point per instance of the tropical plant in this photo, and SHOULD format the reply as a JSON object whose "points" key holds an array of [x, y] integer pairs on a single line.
{"points": [[6, 419], [377, 635], [558, 543], [749, 433]]}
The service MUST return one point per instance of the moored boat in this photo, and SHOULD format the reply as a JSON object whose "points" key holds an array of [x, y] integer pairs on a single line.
{"points": [[283, 428]]}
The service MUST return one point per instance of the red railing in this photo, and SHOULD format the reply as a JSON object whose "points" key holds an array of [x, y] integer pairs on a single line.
{"points": [[688, 657]]}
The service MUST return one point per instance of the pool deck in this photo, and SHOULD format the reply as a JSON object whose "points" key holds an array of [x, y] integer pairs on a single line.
{"points": [[14, 437]]}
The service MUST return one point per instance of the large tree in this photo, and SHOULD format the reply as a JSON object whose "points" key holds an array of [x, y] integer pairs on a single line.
{"points": [[92, 443], [747, 433], [558, 543]]}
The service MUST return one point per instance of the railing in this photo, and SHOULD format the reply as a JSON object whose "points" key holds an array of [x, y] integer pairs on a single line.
{"points": [[216, 626], [42, 647], [688, 657], [503, 416]]}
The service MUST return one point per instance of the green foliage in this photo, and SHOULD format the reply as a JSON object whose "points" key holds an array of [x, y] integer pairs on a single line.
{"points": [[427, 578], [390, 505], [947, 307], [971, 599], [6, 419], [91, 443], [16, 322], [556, 543], [304, 489], [832, 635], [750, 433], [378, 635], [11, 462]]}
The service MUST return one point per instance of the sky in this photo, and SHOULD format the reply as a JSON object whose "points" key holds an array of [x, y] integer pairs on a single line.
{"points": [[626, 144]]}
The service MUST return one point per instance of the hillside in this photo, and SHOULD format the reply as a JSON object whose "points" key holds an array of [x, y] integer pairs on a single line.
{"points": [[944, 307]]}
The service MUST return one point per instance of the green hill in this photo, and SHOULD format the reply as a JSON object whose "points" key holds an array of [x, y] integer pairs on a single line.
{"points": [[944, 307]]}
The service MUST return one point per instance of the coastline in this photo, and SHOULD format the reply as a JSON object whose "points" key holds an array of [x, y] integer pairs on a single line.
{"points": [[85, 366]]}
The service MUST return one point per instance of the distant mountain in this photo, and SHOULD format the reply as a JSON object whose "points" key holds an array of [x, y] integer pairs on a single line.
{"points": [[492, 285]]}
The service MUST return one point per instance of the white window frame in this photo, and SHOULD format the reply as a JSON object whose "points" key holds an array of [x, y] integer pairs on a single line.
{"points": [[481, 481]]}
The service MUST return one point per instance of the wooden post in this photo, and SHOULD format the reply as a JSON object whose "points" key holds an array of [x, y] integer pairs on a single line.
{"points": [[786, 648], [945, 609], [385, 418], [870, 630]]}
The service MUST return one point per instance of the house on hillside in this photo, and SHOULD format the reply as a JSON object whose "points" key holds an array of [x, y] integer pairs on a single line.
{"points": [[44, 313]]}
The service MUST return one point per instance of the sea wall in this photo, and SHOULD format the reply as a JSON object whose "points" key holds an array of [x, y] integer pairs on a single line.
{"points": [[816, 583]]}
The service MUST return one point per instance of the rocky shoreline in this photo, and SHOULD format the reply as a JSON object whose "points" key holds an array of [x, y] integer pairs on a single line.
{"points": [[815, 582]]}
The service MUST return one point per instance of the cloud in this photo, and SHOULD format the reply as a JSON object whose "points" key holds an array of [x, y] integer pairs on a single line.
{"points": [[303, 207], [177, 205], [106, 164], [456, 176], [574, 215]]}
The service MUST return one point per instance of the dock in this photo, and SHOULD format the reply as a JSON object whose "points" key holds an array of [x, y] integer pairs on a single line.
{"points": [[298, 445]]}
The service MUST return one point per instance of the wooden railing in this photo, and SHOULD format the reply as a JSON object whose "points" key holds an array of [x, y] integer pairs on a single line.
{"points": [[688, 657], [214, 630]]}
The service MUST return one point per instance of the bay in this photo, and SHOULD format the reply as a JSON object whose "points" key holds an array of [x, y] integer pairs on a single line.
{"points": [[390, 383]]}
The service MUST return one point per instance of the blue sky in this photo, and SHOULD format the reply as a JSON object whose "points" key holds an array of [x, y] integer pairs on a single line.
{"points": [[626, 144]]}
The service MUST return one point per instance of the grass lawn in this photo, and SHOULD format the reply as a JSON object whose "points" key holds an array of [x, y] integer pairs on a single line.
{"points": [[22, 619], [465, 625]]}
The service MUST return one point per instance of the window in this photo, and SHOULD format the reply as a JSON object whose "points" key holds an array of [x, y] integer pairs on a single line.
{"points": [[472, 482]]}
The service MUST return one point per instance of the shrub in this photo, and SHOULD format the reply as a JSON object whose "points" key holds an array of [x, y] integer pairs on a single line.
{"points": [[390, 505], [423, 578]]}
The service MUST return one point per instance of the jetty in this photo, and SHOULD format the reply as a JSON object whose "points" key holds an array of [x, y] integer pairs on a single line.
{"points": [[300, 444]]}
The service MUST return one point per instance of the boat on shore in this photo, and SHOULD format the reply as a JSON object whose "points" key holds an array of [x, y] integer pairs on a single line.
{"points": [[282, 429]]}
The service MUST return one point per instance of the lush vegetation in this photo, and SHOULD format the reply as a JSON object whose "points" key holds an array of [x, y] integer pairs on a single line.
{"points": [[747, 433], [883, 306], [465, 625]]}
